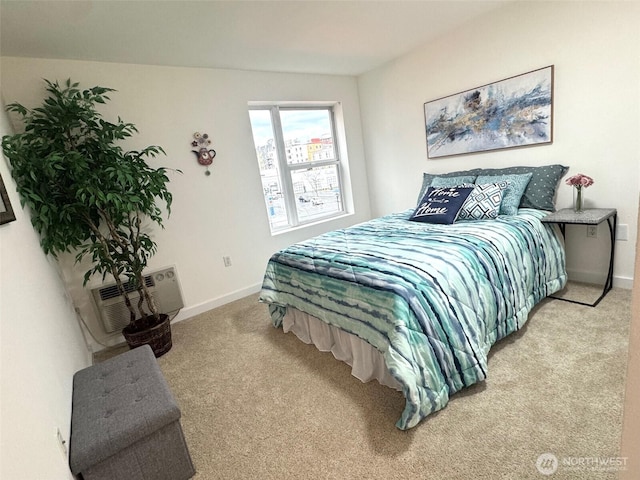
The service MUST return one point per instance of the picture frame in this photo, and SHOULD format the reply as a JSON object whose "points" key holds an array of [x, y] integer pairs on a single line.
{"points": [[510, 113], [6, 211]]}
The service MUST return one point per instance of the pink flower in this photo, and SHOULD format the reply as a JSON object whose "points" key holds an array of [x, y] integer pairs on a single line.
{"points": [[580, 181]]}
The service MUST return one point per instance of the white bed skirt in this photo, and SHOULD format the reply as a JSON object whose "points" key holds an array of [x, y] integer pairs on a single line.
{"points": [[366, 362]]}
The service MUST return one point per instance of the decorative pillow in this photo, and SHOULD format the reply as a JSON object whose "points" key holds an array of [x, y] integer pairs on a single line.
{"points": [[484, 201], [452, 179], [540, 192], [513, 193], [440, 205]]}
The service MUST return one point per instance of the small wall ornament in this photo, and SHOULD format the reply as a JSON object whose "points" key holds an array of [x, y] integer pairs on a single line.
{"points": [[204, 153]]}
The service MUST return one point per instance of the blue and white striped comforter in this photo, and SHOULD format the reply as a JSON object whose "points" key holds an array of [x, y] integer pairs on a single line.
{"points": [[432, 299]]}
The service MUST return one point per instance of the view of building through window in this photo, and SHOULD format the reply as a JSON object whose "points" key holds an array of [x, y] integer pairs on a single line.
{"points": [[299, 164]]}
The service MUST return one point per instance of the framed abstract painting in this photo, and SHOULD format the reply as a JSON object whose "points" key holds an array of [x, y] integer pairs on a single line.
{"points": [[6, 212], [514, 112]]}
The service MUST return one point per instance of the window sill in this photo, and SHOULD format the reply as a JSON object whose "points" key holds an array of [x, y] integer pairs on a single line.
{"points": [[311, 224]]}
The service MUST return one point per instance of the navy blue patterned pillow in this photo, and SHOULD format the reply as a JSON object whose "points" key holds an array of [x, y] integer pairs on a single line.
{"points": [[484, 202], [441, 205], [452, 179]]}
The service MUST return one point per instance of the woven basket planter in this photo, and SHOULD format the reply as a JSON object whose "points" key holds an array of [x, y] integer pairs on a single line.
{"points": [[157, 336]]}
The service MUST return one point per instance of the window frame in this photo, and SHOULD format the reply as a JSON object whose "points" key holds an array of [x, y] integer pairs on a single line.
{"points": [[285, 169]]}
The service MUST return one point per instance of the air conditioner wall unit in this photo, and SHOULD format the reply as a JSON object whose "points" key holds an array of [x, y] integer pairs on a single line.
{"points": [[163, 285]]}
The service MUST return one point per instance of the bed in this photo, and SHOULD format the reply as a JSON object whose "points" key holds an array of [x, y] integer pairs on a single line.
{"points": [[416, 305]]}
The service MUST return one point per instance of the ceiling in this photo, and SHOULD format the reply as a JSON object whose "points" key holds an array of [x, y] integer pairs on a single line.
{"points": [[340, 37]]}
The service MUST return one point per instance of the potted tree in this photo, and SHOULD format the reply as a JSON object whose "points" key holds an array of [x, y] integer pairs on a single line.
{"points": [[90, 197]]}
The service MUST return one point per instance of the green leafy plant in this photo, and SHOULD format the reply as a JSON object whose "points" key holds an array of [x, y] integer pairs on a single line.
{"points": [[87, 195]]}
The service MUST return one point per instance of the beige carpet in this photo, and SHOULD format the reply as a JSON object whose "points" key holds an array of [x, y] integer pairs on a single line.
{"points": [[260, 404], [580, 292]]}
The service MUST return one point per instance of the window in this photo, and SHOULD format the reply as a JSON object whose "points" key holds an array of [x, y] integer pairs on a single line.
{"points": [[299, 163]]}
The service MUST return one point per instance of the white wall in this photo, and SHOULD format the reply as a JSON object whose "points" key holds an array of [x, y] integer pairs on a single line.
{"points": [[215, 216], [41, 346], [595, 47]]}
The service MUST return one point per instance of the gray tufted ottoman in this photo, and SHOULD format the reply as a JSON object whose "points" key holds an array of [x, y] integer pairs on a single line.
{"points": [[125, 423]]}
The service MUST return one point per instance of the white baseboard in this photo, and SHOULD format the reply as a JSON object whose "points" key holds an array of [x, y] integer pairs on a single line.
{"points": [[593, 277], [194, 310], [623, 282]]}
